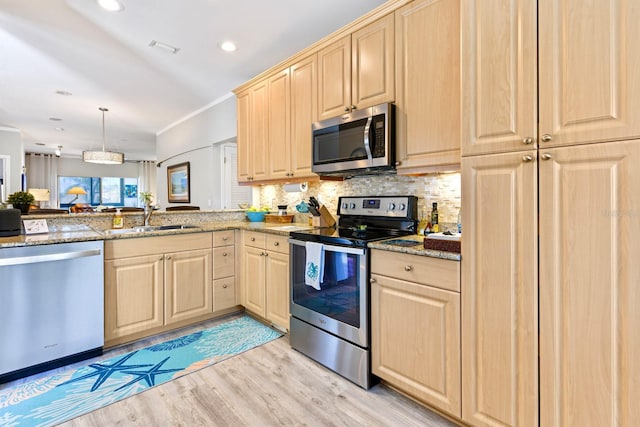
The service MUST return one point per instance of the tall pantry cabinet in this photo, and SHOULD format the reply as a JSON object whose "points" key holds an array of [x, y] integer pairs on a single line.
{"points": [[551, 206]]}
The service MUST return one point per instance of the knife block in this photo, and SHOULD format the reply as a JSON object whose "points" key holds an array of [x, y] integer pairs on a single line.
{"points": [[324, 220]]}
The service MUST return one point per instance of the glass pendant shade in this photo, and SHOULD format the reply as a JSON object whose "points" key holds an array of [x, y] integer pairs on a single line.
{"points": [[103, 157]]}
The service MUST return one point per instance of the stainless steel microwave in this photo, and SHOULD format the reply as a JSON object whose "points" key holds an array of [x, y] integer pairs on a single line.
{"points": [[360, 142]]}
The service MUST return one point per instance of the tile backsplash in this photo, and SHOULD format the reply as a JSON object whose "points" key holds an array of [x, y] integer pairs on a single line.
{"points": [[443, 188]]}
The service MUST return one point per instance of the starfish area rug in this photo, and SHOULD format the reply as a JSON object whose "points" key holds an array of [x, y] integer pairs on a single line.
{"points": [[58, 398]]}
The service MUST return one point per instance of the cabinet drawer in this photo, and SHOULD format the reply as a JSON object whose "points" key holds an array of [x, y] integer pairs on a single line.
{"points": [[223, 238], [224, 262], [255, 239], [224, 293], [436, 272], [278, 243]]}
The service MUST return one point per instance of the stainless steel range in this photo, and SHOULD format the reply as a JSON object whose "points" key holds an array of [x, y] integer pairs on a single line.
{"points": [[330, 282]]}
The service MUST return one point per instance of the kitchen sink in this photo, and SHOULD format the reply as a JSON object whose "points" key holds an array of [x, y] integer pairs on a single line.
{"points": [[148, 229]]}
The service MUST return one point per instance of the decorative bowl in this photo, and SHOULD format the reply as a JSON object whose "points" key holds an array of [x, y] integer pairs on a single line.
{"points": [[256, 216]]}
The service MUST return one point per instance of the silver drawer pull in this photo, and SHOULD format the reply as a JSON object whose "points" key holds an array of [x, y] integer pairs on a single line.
{"points": [[224, 254], [372, 280], [253, 239], [225, 238], [276, 243], [408, 268], [225, 286]]}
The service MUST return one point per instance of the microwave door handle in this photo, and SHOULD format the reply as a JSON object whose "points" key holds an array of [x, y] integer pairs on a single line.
{"points": [[367, 141]]}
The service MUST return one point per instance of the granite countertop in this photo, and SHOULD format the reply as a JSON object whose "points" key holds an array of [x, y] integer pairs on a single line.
{"points": [[418, 249], [83, 232]]}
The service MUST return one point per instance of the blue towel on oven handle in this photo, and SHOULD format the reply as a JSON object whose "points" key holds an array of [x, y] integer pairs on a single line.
{"points": [[314, 265]]}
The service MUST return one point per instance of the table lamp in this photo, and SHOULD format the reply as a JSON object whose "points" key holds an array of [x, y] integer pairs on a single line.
{"points": [[40, 195], [77, 191]]}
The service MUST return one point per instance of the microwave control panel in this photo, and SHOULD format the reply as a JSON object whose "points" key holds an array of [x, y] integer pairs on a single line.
{"points": [[389, 206]]}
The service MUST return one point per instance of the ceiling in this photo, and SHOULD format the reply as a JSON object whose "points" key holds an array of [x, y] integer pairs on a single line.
{"points": [[103, 59]]}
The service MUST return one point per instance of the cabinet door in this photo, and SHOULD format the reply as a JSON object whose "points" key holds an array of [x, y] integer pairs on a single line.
{"points": [[334, 79], [499, 290], [428, 85], [589, 71], [415, 340], [277, 284], [259, 130], [589, 277], [188, 288], [372, 63], [279, 151], [133, 297], [244, 140], [499, 99], [304, 111], [253, 276]]}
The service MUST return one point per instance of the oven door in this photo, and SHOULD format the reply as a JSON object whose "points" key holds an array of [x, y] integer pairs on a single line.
{"points": [[341, 305]]}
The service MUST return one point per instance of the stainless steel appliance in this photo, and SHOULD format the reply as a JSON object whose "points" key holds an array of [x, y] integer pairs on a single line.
{"points": [[51, 306], [359, 142], [331, 324]]}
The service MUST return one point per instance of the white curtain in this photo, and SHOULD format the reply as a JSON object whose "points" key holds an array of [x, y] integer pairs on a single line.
{"points": [[42, 172], [147, 174]]}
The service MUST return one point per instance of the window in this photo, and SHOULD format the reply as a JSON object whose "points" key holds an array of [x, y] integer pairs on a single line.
{"points": [[105, 191]]}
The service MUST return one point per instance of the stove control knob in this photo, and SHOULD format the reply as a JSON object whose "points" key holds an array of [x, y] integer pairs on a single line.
{"points": [[392, 206], [352, 205], [402, 206], [344, 205]]}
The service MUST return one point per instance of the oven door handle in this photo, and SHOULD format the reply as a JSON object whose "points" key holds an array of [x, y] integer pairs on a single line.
{"points": [[333, 248]]}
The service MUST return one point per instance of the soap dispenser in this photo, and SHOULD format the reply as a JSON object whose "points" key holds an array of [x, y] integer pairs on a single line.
{"points": [[118, 220]]}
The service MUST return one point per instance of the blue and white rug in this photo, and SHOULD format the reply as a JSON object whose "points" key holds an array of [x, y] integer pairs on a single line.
{"points": [[52, 400]]}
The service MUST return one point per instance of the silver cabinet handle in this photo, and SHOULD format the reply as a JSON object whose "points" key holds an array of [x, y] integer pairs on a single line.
{"points": [[353, 107], [546, 137], [266, 254], [528, 140], [253, 239], [225, 286], [161, 258], [408, 268], [225, 238], [224, 254], [546, 156], [527, 158], [372, 280], [346, 109], [34, 259], [276, 243], [168, 256]]}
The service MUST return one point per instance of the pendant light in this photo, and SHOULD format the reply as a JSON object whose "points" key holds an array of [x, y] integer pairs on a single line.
{"points": [[104, 157]]}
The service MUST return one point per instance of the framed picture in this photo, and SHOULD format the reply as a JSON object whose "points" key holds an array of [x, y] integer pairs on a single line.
{"points": [[178, 183]]}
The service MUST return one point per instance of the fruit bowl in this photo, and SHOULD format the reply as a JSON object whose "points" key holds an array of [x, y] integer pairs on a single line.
{"points": [[256, 216]]}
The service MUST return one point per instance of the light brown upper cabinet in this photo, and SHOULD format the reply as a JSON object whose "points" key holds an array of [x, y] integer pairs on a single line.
{"points": [[253, 132], [584, 54], [428, 86], [274, 124], [357, 71], [304, 111]]}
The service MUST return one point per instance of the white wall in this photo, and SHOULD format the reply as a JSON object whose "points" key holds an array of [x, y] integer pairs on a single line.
{"points": [[196, 140], [11, 149], [76, 167]]}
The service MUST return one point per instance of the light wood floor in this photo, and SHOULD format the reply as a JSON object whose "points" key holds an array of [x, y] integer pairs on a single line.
{"points": [[272, 385]]}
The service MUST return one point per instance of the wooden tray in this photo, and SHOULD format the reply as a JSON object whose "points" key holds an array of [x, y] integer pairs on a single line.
{"points": [[278, 218]]}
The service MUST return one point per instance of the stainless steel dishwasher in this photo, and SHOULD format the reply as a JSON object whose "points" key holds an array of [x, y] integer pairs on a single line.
{"points": [[51, 306]]}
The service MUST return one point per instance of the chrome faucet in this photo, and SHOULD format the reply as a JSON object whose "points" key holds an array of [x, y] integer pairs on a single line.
{"points": [[148, 210]]}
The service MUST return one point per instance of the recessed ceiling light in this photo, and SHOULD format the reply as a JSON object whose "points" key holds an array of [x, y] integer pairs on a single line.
{"points": [[228, 46], [59, 129], [164, 46], [63, 93], [55, 119], [111, 5]]}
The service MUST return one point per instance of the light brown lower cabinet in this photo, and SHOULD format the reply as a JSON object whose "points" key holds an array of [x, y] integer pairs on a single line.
{"points": [[415, 326], [265, 276], [224, 270], [155, 283]]}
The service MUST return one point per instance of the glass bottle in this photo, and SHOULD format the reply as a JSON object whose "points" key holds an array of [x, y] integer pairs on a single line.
{"points": [[434, 218], [460, 221]]}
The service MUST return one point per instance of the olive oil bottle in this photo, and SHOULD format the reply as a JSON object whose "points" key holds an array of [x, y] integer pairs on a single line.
{"points": [[434, 218]]}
